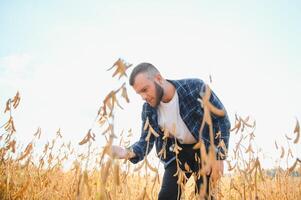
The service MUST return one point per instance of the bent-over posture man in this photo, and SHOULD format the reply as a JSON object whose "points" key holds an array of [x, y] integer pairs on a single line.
{"points": [[173, 105]]}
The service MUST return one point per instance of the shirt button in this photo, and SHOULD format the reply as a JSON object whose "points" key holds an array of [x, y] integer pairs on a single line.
{"points": [[171, 147]]}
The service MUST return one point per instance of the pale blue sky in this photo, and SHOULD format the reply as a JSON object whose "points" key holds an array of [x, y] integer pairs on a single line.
{"points": [[25, 25], [54, 51]]}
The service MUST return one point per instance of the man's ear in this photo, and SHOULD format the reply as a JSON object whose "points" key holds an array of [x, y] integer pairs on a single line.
{"points": [[159, 79]]}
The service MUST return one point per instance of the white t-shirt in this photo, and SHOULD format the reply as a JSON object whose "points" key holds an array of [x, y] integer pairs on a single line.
{"points": [[169, 118]]}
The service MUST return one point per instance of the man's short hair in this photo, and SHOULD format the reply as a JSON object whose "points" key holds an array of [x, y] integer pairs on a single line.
{"points": [[146, 68]]}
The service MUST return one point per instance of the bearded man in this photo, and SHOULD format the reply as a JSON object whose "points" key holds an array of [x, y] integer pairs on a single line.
{"points": [[174, 106]]}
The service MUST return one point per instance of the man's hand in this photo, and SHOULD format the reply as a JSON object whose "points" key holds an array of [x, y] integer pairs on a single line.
{"points": [[121, 153], [217, 170]]}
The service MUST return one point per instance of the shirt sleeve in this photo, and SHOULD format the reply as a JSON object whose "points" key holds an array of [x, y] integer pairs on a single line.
{"points": [[223, 124], [140, 147]]}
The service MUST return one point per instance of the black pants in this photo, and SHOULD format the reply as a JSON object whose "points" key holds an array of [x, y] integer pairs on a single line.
{"points": [[169, 189]]}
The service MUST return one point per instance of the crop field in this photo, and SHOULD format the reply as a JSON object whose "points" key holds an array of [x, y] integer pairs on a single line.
{"points": [[26, 173]]}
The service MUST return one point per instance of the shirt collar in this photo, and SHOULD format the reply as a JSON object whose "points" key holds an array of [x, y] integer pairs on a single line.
{"points": [[182, 92]]}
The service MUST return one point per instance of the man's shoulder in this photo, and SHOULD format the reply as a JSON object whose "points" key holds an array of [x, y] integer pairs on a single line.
{"points": [[187, 81], [188, 86]]}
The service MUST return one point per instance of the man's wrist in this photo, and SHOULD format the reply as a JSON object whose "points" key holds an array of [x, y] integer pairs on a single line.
{"points": [[129, 153]]}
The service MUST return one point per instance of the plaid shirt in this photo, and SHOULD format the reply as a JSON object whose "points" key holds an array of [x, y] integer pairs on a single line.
{"points": [[191, 111]]}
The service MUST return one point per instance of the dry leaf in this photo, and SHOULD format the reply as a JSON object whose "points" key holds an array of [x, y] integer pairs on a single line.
{"points": [[124, 94], [121, 68], [282, 152], [87, 138], [16, 100], [276, 145], [297, 127]]}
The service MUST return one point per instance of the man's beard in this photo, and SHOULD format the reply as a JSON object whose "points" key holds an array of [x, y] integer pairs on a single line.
{"points": [[159, 94]]}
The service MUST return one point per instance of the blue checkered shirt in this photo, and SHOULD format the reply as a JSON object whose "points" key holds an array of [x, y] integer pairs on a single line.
{"points": [[191, 111]]}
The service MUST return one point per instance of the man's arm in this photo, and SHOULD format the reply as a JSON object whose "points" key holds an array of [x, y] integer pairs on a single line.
{"points": [[141, 148], [221, 121], [137, 151], [224, 125]]}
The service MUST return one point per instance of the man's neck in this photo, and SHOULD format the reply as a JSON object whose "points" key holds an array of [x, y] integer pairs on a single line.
{"points": [[169, 91]]}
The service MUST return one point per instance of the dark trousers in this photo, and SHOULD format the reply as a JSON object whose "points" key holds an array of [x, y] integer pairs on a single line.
{"points": [[170, 189]]}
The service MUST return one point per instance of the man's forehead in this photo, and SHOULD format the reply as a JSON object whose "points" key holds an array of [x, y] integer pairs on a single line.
{"points": [[142, 75], [141, 80]]}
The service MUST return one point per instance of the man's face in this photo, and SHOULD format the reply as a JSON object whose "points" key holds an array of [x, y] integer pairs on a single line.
{"points": [[149, 90]]}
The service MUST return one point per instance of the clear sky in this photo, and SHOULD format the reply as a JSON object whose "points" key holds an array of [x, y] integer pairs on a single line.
{"points": [[56, 54]]}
